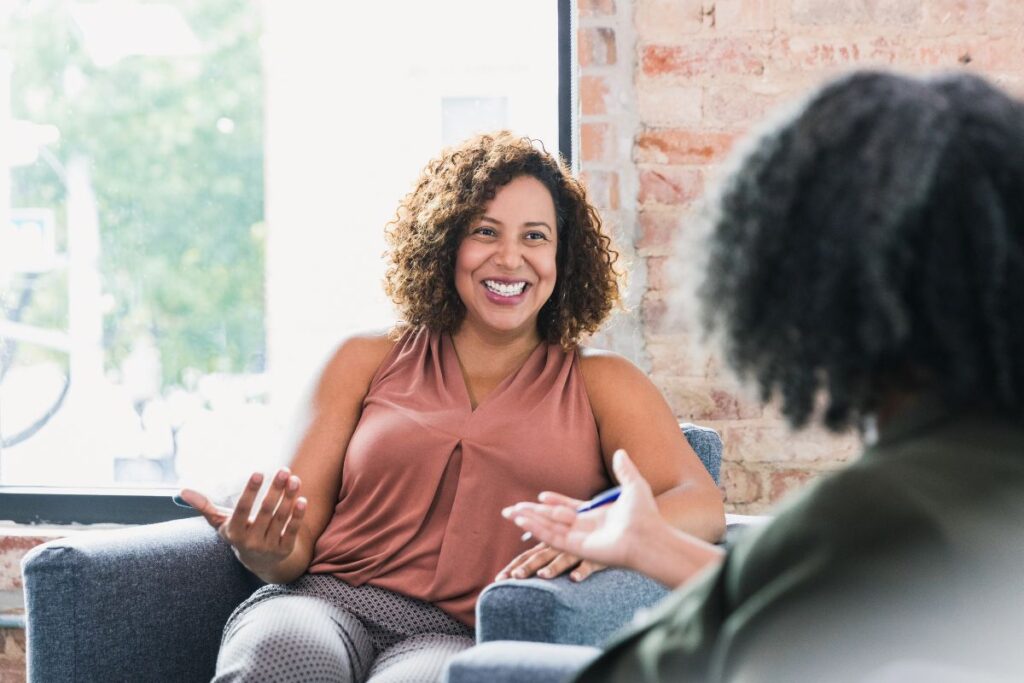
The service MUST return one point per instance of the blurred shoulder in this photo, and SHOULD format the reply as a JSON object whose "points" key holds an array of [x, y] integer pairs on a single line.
{"points": [[356, 358], [600, 365]]}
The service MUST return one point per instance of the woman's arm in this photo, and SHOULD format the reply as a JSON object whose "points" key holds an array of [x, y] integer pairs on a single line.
{"points": [[632, 415], [276, 543]]}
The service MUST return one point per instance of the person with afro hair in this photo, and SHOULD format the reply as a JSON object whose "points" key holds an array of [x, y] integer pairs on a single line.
{"points": [[866, 271]]}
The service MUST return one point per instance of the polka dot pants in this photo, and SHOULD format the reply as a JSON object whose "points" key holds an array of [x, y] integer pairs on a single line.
{"points": [[320, 629]]}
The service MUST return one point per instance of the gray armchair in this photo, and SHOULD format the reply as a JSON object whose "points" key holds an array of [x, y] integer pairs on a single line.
{"points": [[149, 603]]}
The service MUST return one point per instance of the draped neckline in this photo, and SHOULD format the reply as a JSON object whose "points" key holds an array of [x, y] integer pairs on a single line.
{"points": [[453, 368]]}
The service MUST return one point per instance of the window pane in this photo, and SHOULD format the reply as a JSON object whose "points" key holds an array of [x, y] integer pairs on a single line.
{"points": [[198, 191]]}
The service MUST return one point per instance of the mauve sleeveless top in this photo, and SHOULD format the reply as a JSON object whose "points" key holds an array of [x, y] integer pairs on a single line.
{"points": [[425, 476]]}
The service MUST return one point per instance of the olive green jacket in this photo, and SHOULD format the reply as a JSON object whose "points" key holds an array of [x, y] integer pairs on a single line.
{"points": [[907, 561]]}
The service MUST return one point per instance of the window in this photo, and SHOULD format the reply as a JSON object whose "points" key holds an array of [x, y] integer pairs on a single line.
{"points": [[198, 190]]}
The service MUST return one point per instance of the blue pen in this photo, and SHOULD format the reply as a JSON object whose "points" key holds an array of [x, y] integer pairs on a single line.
{"points": [[603, 498]]}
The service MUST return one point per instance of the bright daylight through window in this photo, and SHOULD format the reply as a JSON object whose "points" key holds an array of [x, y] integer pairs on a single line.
{"points": [[192, 200]]}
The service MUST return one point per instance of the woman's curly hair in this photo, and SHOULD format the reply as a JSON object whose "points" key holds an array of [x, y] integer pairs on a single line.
{"points": [[452, 191], [875, 242]]}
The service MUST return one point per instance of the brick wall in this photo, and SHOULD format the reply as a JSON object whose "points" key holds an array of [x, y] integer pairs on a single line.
{"points": [[666, 87], [15, 541]]}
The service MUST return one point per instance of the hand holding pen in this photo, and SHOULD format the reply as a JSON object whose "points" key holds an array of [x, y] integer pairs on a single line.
{"points": [[596, 530]]}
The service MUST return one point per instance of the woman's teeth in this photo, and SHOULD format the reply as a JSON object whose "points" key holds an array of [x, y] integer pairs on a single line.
{"points": [[505, 289]]}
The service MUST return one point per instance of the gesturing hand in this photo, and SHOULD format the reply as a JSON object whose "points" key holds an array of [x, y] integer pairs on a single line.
{"points": [[612, 534], [263, 539]]}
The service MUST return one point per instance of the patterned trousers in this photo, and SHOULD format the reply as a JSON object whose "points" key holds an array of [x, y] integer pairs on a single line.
{"points": [[320, 629]]}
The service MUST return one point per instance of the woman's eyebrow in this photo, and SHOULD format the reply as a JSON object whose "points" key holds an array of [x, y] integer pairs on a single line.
{"points": [[527, 224]]}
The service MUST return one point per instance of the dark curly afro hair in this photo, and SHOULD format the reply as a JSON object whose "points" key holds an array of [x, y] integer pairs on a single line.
{"points": [[873, 243], [451, 192]]}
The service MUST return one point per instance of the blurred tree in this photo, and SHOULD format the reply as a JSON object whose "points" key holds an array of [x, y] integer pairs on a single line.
{"points": [[176, 148]]}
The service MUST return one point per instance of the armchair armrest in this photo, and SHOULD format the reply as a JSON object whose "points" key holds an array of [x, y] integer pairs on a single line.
{"points": [[144, 603], [562, 611]]}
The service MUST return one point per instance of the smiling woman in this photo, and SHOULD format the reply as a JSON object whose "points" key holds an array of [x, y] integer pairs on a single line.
{"points": [[417, 438], [505, 270]]}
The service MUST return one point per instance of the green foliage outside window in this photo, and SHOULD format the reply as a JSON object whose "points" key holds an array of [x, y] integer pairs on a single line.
{"points": [[175, 147]]}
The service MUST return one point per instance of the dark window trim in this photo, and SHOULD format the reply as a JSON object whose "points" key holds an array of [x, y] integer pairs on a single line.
{"points": [[51, 505], [567, 81]]}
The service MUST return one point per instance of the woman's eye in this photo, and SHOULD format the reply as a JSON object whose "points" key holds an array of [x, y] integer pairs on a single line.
{"points": [[485, 231], [536, 235]]}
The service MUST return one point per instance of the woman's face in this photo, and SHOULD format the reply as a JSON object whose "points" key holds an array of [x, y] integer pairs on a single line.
{"points": [[505, 269]]}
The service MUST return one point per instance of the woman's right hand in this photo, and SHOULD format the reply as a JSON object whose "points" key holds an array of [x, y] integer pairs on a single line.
{"points": [[263, 540]]}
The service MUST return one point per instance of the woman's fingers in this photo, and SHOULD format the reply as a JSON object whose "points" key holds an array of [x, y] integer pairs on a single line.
{"points": [[552, 498], [215, 516], [291, 531], [283, 511], [273, 499], [585, 569], [561, 563], [525, 564], [542, 528], [239, 522], [506, 572], [556, 513]]}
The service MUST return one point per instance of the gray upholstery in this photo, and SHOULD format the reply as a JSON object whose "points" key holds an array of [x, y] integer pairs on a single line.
{"points": [[149, 603], [146, 603], [561, 611], [515, 662]]}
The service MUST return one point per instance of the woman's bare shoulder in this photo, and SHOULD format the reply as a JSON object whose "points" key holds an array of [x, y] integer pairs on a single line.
{"points": [[606, 366], [355, 361], [614, 382]]}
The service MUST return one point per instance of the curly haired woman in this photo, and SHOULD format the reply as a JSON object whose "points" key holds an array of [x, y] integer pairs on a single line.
{"points": [[385, 529], [867, 268]]}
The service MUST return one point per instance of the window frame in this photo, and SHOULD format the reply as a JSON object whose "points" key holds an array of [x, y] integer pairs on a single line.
{"points": [[60, 505]]}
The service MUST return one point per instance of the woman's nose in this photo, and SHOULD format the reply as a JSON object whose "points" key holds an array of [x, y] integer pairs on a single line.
{"points": [[509, 254]]}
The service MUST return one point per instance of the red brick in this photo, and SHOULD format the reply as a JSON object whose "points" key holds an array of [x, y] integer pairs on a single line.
{"points": [[653, 311], [675, 146], [670, 185], [659, 276], [12, 549], [595, 8], [808, 52], [742, 485], [991, 55], [699, 57], [887, 12], [668, 104], [784, 481], [669, 21], [744, 14], [659, 226], [597, 47], [739, 105], [702, 400], [679, 355], [596, 143], [602, 188], [943, 54], [12, 655], [593, 95], [775, 442], [955, 13]]}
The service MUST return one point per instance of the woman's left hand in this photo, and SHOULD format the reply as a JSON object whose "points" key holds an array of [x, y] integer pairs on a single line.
{"points": [[547, 563]]}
